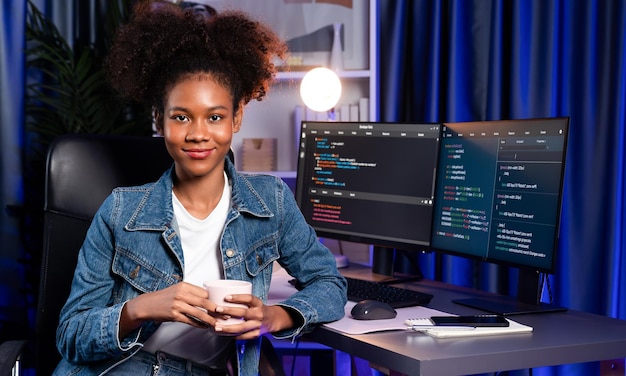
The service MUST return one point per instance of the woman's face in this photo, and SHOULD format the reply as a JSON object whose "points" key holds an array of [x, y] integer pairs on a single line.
{"points": [[198, 126]]}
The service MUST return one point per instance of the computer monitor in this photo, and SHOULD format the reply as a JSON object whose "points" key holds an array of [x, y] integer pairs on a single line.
{"points": [[498, 199], [369, 182]]}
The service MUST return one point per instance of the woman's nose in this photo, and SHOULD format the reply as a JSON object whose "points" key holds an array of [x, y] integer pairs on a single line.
{"points": [[198, 131]]}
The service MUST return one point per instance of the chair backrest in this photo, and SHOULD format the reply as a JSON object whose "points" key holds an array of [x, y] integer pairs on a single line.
{"points": [[81, 171]]}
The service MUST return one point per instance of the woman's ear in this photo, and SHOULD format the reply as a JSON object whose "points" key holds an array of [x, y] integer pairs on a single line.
{"points": [[238, 118], [157, 118]]}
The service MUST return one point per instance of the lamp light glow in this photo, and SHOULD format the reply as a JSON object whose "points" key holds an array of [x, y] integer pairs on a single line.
{"points": [[320, 89]]}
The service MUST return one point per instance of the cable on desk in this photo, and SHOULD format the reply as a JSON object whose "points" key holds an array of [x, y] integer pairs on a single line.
{"points": [[295, 353]]}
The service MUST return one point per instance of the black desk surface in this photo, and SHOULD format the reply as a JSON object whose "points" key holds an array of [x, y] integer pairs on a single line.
{"points": [[557, 338]]}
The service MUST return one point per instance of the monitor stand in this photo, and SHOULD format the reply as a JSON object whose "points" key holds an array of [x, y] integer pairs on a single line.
{"points": [[384, 262], [528, 299]]}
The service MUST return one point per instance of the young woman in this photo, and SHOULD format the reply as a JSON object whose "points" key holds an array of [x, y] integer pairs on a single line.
{"points": [[137, 304]]}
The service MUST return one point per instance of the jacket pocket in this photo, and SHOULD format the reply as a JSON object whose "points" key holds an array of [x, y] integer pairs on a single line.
{"points": [[261, 255], [143, 274]]}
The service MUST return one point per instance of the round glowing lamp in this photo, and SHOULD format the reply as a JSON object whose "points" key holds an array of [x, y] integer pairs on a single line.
{"points": [[320, 89]]}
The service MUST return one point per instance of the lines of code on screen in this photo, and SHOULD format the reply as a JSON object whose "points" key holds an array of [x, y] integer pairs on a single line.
{"points": [[370, 183], [499, 190]]}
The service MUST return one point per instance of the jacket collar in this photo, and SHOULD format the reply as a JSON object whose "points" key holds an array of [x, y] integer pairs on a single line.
{"points": [[244, 197], [151, 213]]}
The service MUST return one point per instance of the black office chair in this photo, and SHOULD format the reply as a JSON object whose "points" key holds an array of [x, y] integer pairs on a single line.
{"points": [[81, 171]]}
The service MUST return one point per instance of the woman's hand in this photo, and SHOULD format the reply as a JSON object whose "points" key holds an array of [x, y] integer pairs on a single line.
{"points": [[182, 302], [258, 318]]}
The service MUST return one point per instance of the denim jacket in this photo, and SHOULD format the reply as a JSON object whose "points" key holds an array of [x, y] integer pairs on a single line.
{"points": [[132, 247]]}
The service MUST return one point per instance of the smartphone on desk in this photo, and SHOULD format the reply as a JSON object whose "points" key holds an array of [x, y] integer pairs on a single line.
{"points": [[473, 320]]}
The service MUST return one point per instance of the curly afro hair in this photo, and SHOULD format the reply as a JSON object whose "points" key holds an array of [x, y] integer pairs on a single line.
{"points": [[163, 43]]}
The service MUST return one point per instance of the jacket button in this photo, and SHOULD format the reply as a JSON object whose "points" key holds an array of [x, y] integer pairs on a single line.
{"points": [[134, 273], [259, 260], [230, 253]]}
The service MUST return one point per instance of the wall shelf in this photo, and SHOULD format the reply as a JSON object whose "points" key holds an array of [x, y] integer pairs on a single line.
{"points": [[280, 174], [299, 74], [275, 116]]}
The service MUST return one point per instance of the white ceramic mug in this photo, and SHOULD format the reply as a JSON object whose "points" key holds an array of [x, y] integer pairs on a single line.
{"points": [[220, 288]]}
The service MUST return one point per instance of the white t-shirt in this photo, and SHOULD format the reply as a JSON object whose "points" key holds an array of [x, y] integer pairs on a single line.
{"points": [[202, 261]]}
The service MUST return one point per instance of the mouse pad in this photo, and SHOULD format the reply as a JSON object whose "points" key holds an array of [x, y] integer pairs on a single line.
{"points": [[351, 326]]}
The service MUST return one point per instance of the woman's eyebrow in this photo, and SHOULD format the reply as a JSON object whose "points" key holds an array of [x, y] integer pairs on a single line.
{"points": [[182, 108]]}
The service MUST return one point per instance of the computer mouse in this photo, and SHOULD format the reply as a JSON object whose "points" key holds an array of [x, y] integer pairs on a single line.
{"points": [[372, 310]]}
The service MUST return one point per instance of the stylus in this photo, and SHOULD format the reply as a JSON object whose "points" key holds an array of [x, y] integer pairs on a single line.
{"points": [[423, 328]]}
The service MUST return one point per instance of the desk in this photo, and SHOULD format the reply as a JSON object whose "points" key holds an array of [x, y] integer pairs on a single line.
{"points": [[558, 338]]}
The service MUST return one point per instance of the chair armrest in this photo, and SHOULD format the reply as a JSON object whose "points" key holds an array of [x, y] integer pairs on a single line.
{"points": [[10, 352], [270, 363]]}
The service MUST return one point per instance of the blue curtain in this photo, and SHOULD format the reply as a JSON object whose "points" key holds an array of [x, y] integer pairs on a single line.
{"points": [[463, 60], [11, 120]]}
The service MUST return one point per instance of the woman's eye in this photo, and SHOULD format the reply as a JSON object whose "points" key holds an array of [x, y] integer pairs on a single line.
{"points": [[214, 118], [180, 117]]}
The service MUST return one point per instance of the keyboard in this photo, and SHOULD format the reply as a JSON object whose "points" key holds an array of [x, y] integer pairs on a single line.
{"points": [[397, 297]]}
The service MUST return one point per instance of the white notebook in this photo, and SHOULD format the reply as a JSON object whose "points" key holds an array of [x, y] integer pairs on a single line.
{"points": [[425, 325]]}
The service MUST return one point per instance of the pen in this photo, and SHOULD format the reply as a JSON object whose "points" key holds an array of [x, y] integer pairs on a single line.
{"points": [[423, 328]]}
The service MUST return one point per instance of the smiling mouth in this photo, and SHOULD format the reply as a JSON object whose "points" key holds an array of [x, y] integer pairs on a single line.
{"points": [[198, 153]]}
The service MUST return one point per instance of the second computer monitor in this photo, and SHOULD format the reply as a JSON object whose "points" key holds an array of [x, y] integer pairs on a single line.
{"points": [[369, 182], [499, 189]]}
